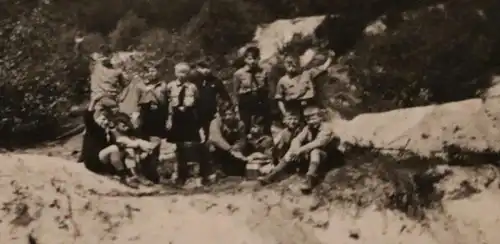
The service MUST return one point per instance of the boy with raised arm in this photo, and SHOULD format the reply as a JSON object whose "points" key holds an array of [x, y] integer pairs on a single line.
{"points": [[295, 90]]}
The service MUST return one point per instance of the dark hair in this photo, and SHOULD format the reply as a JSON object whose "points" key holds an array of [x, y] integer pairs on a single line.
{"points": [[294, 57], [254, 51], [123, 118], [225, 107], [204, 62]]}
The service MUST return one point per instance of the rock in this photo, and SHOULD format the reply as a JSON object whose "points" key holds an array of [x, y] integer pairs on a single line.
{"points": [[271, 37], [427, 130], [354, 234]]}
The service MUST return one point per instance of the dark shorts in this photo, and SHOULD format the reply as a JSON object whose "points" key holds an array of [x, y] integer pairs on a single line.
{"points": [[252, 105], [229, 165], [94, 140], [185, 127], [297, 106], [153, 122]]}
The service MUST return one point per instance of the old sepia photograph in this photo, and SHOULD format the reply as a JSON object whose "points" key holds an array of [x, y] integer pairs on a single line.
{"points": [[249, 121]]}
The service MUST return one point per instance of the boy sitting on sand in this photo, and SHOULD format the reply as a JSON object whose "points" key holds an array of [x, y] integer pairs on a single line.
{"points": [[125, 149], [312, 145]]}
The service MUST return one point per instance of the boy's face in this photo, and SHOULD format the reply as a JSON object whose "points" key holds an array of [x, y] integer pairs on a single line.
{"points": [[229, 117], [151, 73], [122, 126], [291, 122], [181, 73], [313, 117], [291, 65], [112, 110], [251, 60]]}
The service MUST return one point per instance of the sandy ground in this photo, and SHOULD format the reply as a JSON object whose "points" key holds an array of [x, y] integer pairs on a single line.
{"points": [[52, 200]]}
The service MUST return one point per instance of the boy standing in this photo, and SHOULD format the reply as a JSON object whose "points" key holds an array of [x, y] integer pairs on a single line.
{"points": [[150, 115], [295, 89], [251, 88], [210, 88], [106, 80], [182, 123]]}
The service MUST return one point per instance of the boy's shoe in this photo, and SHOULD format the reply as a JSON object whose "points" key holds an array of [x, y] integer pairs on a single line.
{"points": [[144, 181], [308, 184], [263, 180], [131, 182], [179, 182]]}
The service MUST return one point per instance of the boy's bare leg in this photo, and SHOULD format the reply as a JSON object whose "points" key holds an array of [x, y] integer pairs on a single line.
{"points": [[269, 178], [316, 156], [113, 156]]}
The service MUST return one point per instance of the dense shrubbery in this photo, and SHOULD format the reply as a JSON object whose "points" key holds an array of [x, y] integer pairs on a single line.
{"points": [[425, 56], [41, 75], [38, 76], [439, 54]]}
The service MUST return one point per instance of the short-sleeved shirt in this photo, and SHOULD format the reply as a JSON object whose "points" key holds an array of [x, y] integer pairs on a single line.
{"points": [[174, 89], [246, 81], [105, 81], [154, 94], [226, 138], [299, 87]]}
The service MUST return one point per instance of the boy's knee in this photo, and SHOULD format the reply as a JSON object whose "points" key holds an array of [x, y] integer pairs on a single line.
{"points": [[317, 156], [106, 153]]}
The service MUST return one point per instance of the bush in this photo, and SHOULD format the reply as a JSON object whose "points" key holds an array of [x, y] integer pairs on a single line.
{"points": [[127, 31], [439, 54], [40, 77], [423, 54]]}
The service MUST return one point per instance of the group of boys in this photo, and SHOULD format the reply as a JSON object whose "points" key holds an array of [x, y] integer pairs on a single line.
{"points": [[209, 126]]}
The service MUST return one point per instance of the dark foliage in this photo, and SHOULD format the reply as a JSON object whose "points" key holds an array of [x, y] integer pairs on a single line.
{"points": [[427, 55], [439, 54]]}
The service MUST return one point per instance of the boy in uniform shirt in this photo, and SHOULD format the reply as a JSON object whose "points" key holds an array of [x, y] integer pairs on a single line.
{"points": [[251, 88], [295, 89], [228, 141], [182, 123], [210, 88], [312, 144], [106, 80], [284, 138], [258, 141], [150, 114]]}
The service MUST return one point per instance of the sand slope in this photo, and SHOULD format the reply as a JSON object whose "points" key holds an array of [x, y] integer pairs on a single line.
{"points": [[56, 201]]}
